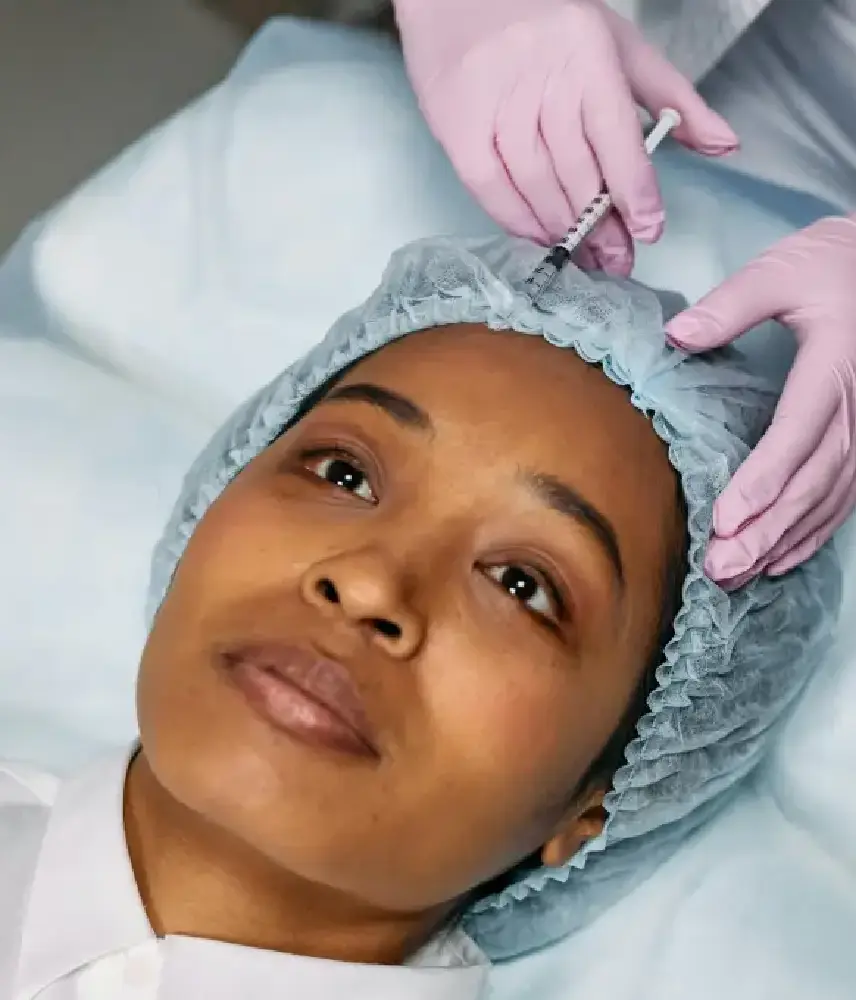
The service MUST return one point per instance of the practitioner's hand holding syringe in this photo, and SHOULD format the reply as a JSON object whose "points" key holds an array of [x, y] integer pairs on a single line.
{"points": [[536, 103]]}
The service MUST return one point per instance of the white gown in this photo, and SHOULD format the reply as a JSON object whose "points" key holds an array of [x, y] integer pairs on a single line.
{"points": [[783, 72], [788, 87], [73, 927]]}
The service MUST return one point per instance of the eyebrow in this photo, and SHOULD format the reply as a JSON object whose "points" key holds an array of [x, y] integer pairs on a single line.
{"points": [[557, 495], [566, 500], [401, 409]]}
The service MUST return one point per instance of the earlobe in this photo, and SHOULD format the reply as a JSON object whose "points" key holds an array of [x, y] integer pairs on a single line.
{"points": [[582, 823]]}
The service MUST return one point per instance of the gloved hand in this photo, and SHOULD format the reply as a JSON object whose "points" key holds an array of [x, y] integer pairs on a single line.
{"points": [[799, 484], [535, 104]]}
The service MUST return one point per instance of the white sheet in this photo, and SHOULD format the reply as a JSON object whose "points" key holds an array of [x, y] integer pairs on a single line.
{"points": [[91, 467], [145, 306]]}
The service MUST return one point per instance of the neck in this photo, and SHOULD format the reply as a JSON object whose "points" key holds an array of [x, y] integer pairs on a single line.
{"points": [[197, 881]]}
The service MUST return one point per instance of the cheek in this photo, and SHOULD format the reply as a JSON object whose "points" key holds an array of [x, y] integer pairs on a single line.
{"points": [[497, 688], [504, 715], [231, 559], [244, 546], [495, 753], [517, 718]]}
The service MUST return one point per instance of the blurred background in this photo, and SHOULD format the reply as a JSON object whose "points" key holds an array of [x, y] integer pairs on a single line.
{"points": [[80, 79]]}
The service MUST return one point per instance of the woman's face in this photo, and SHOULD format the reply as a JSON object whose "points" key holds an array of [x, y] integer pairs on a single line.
{"points": [[461, 552]]}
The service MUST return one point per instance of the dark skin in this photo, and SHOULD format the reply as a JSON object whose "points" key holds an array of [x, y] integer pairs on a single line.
{"points": [[514, 515]]}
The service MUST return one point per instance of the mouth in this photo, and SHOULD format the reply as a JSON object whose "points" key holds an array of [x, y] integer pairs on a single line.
{"points": [[306, 696]]}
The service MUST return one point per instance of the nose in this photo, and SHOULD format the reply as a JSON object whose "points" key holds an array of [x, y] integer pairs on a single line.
{"points": [[366, 590]]}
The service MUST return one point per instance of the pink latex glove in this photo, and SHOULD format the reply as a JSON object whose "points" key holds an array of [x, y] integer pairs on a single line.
{"points": [[799, 484], [535, 102]]}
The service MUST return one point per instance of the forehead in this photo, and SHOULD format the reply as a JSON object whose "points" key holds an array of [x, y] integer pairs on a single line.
{"points": [[534, 400]]}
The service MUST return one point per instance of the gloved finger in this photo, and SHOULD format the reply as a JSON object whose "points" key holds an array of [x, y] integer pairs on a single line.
{"points": [[810, 545], [834, 508], [799, 431], [836, 503], [481, 170], [584, 258], [527, 160], [803, 504], [729, 584], [656, 84], [575, 165], [494, 190], [611, 125], [761, 290]]}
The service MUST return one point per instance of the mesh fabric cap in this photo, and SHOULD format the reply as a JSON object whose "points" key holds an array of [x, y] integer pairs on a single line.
{"points": [[735, 662]]}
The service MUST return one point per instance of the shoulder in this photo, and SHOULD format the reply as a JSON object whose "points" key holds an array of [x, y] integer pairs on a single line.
{"points": [[25, 785]]}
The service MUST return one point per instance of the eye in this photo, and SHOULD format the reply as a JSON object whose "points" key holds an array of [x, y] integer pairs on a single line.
{"points": [[528, 588], [342, 472]]}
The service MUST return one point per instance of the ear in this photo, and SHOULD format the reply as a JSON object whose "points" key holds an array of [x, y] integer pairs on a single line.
{"points": [[583, 822]]}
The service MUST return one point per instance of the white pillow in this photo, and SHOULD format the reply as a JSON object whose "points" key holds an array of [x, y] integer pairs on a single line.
{"points": [[91, 469], [223, 245]]}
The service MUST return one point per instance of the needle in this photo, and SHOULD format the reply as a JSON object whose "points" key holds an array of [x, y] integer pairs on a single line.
{"points": [[544, 275]]}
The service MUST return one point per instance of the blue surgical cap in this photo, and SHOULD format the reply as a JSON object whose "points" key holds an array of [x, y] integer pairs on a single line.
{"points": [[735, 662]]}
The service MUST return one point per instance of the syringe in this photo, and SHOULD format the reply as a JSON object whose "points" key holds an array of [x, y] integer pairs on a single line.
{"points": [[543, 275]]}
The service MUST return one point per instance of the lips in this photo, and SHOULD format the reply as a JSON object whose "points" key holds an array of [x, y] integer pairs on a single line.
{"points": [[310, 697]]}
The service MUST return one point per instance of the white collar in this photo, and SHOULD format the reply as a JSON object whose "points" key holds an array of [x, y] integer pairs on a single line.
{"points": [[84, 905]]}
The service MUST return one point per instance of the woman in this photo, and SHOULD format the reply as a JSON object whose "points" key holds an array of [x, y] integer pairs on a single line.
{"points": [[434, 670], [535, 103]]}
